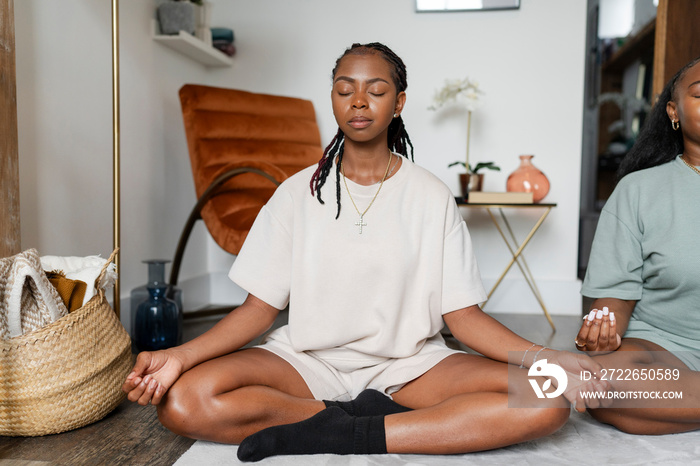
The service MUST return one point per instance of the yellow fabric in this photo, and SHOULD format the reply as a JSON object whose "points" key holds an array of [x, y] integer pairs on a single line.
{"points": [[72, 292]]}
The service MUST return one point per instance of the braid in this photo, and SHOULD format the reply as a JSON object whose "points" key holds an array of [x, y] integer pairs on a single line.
{"points": [[341, 150], [398, 139], [318, 179], [397, 136]]}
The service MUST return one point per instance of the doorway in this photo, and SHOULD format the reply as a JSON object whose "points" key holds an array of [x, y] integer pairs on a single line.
{"points": [[634, 47]]}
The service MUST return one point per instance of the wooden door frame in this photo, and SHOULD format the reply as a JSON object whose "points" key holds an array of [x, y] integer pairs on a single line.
{"points": [[9, 159], [677, 39]]}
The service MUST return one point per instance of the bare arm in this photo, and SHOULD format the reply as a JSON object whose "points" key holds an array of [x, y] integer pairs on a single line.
{"points": [[484, 334], [238, 328], [603, 331], [155, 372], [489, 337]]}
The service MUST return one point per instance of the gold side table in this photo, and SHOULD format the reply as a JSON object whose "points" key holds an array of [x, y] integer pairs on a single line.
{"points": [[515, 248]]}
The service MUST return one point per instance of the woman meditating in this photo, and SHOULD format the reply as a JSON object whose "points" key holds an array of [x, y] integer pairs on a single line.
{"points": [[644, 269], [369, 278]]}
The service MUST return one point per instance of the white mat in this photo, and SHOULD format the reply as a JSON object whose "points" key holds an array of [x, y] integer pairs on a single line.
{"points": [[581, 441]]}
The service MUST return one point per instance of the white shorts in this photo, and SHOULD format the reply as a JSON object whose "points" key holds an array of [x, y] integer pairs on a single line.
{"points": [[331, 382]]}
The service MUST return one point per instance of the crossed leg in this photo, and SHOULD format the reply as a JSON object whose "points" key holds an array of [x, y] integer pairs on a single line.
{"points": [[460, 405], [652, 417], [228, 398]]}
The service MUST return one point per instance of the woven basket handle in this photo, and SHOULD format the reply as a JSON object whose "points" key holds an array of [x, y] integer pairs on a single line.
{"points": [[43, 306], [103, 272]]}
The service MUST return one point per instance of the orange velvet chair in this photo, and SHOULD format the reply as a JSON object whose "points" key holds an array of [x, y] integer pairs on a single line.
{"points": [[241, 145]]}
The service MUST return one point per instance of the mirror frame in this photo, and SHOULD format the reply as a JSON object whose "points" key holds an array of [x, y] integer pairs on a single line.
{"points": [[424, 6]]}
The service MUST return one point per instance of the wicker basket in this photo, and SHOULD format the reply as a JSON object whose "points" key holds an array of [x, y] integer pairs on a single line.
{"points": [[65, 375]]}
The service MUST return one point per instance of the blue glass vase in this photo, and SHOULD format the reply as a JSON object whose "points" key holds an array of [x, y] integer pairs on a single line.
{"points": [[156, 268], [157, 321]]}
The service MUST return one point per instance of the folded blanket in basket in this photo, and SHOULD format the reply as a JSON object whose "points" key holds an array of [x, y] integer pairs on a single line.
{"points": [[72, 292], [85, 269], [28, 301]]}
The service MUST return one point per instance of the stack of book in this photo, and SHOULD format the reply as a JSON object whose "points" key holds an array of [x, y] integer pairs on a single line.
{"points": [[481, 197], [222, 39]]}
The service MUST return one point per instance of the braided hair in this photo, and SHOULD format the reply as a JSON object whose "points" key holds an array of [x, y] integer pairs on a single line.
{"points": [[657, 143], [397, 137]]}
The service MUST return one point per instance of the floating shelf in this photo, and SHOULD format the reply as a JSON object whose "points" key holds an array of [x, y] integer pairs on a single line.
{"points": [[189, 45]]}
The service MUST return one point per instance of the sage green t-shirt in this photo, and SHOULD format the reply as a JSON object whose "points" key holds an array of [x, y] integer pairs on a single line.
{"points": [[647, 248]]}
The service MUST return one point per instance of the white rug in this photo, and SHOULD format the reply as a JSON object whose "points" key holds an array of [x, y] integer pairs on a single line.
{"points": [[581, 441]]}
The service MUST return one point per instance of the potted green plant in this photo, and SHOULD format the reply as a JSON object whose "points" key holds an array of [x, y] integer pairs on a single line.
{"points": [[473, 180]]}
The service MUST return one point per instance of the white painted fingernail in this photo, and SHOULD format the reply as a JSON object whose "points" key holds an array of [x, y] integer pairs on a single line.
{"points": [[612, 317], [599, 315], [605, 310], [591, 316]]}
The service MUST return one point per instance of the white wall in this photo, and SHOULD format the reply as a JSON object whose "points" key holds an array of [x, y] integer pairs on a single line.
{"points": [[64, 95], [528, 61], [530, 64]]}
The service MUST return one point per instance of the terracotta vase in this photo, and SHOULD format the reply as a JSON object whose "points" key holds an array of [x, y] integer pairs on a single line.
{"points": [[528, 178]]}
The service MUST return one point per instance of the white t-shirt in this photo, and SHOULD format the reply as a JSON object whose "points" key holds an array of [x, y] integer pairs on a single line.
{"points": [[375, 295]]}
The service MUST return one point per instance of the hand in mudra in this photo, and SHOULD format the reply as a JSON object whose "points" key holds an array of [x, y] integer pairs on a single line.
{"points": [[598, 332], [574, 365], [152, 376]]}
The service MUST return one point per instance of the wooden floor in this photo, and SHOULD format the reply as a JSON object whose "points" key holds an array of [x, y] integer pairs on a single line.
{"points": [[132, 435]]}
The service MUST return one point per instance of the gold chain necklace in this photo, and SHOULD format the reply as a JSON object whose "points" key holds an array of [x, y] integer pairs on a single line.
{"points": [[692, 167], [361, 223], [393, 166]]}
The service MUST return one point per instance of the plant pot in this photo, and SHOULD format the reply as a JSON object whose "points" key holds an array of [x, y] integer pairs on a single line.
{"points": [[176, 16], [470, 182]]}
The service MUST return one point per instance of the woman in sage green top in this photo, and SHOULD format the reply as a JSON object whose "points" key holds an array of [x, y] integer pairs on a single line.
{"points": [[644, 271]]}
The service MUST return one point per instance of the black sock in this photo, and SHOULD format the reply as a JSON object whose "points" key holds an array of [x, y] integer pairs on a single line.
{"points": [[330, 431], [369, 403]]}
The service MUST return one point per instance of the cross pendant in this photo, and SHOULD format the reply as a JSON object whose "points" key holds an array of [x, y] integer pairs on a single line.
{"points": [[361, 223]]}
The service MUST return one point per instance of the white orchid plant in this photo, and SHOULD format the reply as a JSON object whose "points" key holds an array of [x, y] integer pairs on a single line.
{"points": [[458, 91], [464, 92]]}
